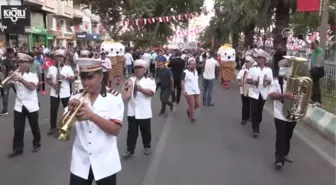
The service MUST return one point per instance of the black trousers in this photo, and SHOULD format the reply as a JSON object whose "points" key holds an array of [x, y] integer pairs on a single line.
{"points": [[316, 73], [164, 97], [19, 128], [110, 180], [177, 87], [6, 90], [284, 133], [106, 78], [257, 106], [133, 130], [54, 104], [246, 109]]}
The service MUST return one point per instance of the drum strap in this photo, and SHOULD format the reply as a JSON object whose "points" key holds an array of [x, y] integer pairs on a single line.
{"points": [[280, 80]]}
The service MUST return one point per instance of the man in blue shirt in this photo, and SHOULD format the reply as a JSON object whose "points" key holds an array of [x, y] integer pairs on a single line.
{"points": [[166, 81]]}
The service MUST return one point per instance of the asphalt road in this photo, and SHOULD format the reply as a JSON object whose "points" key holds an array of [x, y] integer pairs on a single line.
{"points": [[217, 150]]}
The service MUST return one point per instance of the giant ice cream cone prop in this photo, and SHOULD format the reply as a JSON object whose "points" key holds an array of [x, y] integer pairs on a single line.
{"points": [[227, 60]]}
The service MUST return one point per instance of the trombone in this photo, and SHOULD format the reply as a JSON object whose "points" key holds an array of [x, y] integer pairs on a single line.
{"points": [[8, 78]]}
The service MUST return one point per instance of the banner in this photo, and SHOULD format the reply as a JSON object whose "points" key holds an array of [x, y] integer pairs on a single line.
{"points": [[15, 15], [308, 5]]}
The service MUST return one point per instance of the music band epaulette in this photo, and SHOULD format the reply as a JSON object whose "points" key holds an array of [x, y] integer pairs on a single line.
{"points": [[114, 92]]}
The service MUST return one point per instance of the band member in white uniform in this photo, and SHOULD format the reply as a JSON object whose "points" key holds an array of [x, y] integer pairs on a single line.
{"points": [[259, 78], [284, 127], [241, 77], [138, 92], [65, 74], [190, 88], [95, 154], [26, 105]]}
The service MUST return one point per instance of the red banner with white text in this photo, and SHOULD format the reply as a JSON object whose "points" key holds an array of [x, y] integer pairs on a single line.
{"points": [[308, 5]]}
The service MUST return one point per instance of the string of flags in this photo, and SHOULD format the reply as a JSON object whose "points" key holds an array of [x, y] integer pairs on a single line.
{"points": [[163, 19]]}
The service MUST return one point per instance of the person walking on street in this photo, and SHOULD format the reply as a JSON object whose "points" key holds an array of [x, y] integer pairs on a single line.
{"points": [[316, 72], [209, 79], [166, 81], [177, 65]]}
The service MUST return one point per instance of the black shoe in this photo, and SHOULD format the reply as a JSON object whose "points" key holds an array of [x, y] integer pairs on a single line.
{"points": [[211, 104], [255, 134], [278, 165], [15, 154], [3, 112], [128, 154], [147, 151], [36, 148], [51, 131], [288, 159], [171, 107], [243, 122]]}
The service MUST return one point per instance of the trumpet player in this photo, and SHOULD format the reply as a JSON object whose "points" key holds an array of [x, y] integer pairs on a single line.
{"points": [[26, 105], [8, 66], [241, 77], [59, 78], [284, 127], [95, 154], [259, 78], [138, 91]]}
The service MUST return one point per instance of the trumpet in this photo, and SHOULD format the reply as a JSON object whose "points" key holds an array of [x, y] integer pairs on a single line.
{"points": [[265, 81], [8, 78], [69, 119]]}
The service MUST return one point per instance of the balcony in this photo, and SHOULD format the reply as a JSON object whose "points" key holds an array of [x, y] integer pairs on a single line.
{"points": [[50, 6], [64, 9], [77, 13], [34, 2]]}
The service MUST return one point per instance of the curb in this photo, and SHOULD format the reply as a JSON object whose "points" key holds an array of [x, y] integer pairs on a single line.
{"points": [[322, 121]]}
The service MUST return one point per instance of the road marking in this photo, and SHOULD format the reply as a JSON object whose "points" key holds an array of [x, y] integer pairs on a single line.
{"points": [[315, 147], [155, 162]]}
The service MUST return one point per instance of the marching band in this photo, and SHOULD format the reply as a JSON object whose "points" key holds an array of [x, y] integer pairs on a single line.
{"points": [[99, 118]]}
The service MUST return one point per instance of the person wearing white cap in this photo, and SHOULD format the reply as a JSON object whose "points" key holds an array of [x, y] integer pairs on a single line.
{"points": [[95, 155], [259, 78], [59, 78], [26, 105], [191, 89], [137, 92], [283, 126], [243, 87]]}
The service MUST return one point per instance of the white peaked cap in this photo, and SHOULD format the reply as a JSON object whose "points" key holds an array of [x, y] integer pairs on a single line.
{"points": [[60, 52], [262, 53], [89, 64], [24, 57], [140, 62], [250, 59], [84, 52]]}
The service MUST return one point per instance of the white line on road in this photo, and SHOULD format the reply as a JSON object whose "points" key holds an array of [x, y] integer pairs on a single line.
{"points": [[155, 162], [315, 147]]}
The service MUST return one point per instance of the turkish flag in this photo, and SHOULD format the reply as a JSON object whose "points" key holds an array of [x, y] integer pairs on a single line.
{"points": [[47, 63], [308, 5]]}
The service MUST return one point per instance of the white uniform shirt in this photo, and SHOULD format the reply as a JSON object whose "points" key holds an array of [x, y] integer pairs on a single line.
{"points": [[253, 74], [277, 105], [24, 96], [209, 69], [66, 71], [140, 106], [147, 57], [191, 82], [92, 146], [240, 77]]}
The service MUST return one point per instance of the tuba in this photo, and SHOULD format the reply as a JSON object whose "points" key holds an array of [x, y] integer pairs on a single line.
{"points": [[69, 118], [245, 85], [300, 86], [8, 78]]}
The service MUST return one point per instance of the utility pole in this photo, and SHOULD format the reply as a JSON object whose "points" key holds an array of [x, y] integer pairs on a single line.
{"points": [[324, 23]]}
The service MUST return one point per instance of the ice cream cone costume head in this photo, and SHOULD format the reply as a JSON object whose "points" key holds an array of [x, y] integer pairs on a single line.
{"points": [[227, 58]]}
